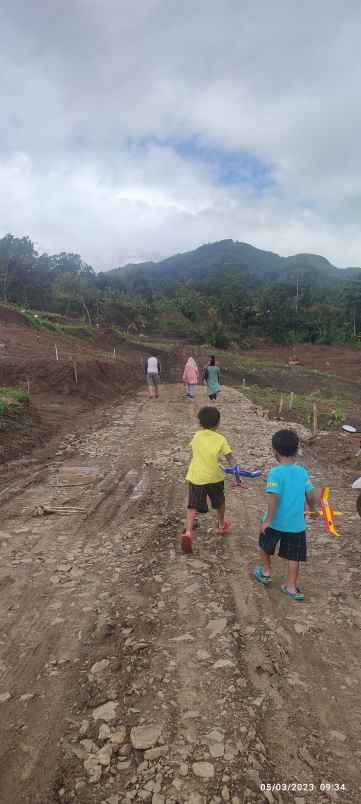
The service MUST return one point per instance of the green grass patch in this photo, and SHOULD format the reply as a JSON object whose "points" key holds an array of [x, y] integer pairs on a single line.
{"points": [[332, 409], [40, 320], [254, 363], [77, 330], [12, 400], [164, 346], [257, 363], [48, 321], [80, 330], [328, 375]]}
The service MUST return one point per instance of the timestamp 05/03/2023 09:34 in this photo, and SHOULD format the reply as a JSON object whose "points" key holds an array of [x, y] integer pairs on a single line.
{"points": [[306, 787]]}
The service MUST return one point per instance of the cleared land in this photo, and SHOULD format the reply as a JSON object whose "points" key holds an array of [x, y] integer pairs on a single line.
{"points": [[99, 607]]}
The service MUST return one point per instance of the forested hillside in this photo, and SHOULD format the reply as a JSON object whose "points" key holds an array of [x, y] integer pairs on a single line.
{"points": [[219, 292]]}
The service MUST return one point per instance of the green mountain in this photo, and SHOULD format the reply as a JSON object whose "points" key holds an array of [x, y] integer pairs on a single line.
{"points": [[232, 259], [217, 292]]}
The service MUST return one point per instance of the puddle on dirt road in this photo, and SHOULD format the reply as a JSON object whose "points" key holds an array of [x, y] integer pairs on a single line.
{"points": [[79, 475]]}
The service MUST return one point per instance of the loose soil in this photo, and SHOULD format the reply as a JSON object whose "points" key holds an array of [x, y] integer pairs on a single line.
{"points": [[242, 686]]}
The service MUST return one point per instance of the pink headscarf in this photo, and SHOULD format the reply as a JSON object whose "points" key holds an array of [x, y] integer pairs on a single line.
{"points": [[191, 373]]}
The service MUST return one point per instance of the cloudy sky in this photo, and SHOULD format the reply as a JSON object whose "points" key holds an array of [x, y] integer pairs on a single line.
{"points": [[133, 130]]}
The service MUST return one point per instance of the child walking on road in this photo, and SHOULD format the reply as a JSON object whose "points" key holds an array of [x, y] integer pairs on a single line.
{"points": [[288, 486], [152, 373], [205, 476], [191, 377]]}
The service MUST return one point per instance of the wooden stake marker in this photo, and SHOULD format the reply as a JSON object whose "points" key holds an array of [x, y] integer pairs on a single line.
{"points": [[315, 418]]}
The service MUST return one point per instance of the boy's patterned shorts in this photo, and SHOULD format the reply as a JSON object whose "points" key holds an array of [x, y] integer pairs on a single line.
{"points": [[293, 546]]}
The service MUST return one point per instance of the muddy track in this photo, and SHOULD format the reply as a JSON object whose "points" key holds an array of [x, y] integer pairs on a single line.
{"points": [[99, 607]]}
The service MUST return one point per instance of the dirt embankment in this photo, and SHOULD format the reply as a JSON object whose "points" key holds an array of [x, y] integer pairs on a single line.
{"points": [[65, 377]]}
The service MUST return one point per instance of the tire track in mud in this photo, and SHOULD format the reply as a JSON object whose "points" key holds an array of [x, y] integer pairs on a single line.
{"points": [[32, 639]]}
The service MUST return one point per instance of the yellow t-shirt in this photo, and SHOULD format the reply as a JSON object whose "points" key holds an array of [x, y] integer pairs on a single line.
{"points": [[207, 446]]}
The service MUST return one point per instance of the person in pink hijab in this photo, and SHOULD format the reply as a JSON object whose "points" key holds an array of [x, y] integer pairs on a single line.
{"points": [[191, 377]]}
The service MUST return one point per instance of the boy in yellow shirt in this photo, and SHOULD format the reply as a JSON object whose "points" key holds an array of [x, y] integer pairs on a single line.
{"points": [[205, 476]]}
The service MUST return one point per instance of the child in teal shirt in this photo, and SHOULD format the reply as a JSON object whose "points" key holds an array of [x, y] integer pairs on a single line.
{"points": [[288, 487]]}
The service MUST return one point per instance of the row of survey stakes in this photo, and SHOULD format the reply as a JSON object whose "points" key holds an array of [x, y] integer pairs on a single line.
{"points": [[290, 406], [289, 402], [112, 354], [62, 358]]}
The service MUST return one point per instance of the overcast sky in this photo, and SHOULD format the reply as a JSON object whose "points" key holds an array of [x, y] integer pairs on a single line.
{"points": [[133, 130]]}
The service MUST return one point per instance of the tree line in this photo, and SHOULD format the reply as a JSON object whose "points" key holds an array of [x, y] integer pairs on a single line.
{"points": [[220, 305]]}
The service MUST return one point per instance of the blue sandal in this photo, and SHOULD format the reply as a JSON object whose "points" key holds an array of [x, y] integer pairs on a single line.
{"points": [[257, 573], [294, 595]]}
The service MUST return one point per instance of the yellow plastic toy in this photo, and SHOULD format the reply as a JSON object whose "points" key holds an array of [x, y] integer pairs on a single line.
{"points": [[327, 513]]}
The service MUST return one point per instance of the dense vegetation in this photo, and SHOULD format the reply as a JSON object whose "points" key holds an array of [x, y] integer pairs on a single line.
{"points": [[219, 292]]}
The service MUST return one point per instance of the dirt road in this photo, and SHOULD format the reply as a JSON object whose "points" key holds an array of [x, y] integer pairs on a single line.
{"points": [[129, 672]]}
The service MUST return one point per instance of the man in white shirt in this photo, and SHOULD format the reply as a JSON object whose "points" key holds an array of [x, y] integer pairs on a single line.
{"points": [[152, 373]]}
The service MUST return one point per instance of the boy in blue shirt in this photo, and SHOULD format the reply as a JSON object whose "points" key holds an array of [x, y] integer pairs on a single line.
{"points": [[288, 486]]}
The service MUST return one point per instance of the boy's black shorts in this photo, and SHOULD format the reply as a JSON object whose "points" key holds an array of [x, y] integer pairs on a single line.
{"points": [[292, 545], [198, 496]]}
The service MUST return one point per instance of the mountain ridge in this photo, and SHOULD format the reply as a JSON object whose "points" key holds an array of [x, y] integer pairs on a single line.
{"points": [[232, 255]]}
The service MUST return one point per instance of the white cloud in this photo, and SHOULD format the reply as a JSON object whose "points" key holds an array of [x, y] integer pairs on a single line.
{"points": [[280, 81]]}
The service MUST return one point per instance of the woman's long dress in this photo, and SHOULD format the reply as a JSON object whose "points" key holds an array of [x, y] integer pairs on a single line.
{"points": [[213, 378]]}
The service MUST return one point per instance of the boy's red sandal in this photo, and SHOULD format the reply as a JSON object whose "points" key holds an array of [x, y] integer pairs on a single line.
{"points": [[186, 543], [225, 528]]}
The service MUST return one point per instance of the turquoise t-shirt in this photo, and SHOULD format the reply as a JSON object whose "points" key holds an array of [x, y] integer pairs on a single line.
{"points": [[291, 482]]}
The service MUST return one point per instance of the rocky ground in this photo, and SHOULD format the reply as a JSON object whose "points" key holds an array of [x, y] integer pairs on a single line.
{"points": [[132, 673]]}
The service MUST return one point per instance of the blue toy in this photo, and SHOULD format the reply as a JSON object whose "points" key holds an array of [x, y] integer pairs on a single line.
{"points": [[237, 472]]}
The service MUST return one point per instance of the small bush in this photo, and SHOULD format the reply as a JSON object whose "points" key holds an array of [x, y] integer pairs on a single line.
{"points": [[46, 324], [221, 340], [12, 400], [197, 336]]}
